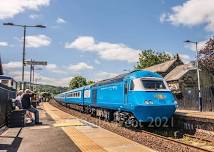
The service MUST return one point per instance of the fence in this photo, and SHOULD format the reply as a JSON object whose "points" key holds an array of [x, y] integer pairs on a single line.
{"points": [[6, 94], [188, 99]]}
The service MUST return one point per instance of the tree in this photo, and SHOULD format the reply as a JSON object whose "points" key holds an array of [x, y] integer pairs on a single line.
{"points": [[149, 58], [77, 82], [206, 56], [90, 82]]}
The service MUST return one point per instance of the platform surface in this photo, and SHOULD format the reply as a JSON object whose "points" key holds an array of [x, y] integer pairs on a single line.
{"points": [[63, 132], [196, 114]]}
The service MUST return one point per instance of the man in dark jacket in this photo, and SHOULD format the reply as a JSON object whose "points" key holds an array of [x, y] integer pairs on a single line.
{"points": [[26, 104]]}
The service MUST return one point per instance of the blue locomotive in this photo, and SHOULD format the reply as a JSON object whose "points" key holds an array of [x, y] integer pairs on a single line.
{"points": [[137, 96]]}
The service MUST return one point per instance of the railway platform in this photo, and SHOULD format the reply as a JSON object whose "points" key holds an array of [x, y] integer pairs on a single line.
{"points": [[61, 131], [196, 114], [192, 120]]}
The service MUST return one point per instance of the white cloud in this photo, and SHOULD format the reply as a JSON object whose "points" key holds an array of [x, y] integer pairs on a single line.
{"points": [[12, 65], [80, 66], [60, 20], [191, 13], [41, 79], [63, 82], [185, 58], [10, 8], [192, 46], [3, 44], [54, 68], [35, 41], [106, 50], [34, 16]]}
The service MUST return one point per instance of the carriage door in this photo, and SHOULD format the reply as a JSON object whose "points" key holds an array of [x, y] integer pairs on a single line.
{"points": [[126, 92], [94, 96]]}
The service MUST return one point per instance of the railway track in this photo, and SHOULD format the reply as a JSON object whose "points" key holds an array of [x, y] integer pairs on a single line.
{"points": [[152, 140], [199, 138]]}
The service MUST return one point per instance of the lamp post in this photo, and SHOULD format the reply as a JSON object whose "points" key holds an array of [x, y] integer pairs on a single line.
{"points": [[198, 74], [24, 41]]}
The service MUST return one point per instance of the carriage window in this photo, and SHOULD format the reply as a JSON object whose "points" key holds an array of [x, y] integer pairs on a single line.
{"points": [[153, 84], [74, 94]]}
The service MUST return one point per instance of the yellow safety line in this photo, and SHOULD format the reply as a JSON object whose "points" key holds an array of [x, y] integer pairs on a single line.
{"points": [[84, 143]]}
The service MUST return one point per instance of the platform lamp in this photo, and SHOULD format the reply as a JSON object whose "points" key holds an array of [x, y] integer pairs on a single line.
{"points": [[24, 41], [198, 74]]}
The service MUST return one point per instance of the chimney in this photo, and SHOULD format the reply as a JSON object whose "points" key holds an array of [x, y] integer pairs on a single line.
{"points": [[177, 57]]}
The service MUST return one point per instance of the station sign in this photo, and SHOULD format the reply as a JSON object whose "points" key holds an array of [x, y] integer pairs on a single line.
{"points": [[36, 62]]}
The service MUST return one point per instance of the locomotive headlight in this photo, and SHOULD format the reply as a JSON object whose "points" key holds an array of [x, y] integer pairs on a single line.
{"points": [[176, 103], [148, 102]]}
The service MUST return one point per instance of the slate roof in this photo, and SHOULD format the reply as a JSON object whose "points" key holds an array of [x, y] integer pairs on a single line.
{"points": [[178, 72], [163, 67]]}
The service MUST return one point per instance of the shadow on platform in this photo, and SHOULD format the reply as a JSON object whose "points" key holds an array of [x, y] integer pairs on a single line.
{"points": [[12, 146]]}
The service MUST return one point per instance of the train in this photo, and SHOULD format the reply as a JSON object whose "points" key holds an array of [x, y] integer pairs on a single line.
{"points": [[129, 98]]}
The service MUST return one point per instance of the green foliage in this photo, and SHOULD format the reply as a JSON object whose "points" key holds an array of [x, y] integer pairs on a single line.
{"points": [[149, 58], [39, 88], [77, 82], [48, 88], [90, 82]]}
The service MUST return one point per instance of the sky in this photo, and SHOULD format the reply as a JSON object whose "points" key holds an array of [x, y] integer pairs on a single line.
{"points": [[98, 39]]}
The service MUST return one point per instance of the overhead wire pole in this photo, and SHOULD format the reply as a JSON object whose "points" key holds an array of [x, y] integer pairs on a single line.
{"points": [[24, 42], [34, 73], [23, 59], [31, 69], [32, 64], [198, 74]]}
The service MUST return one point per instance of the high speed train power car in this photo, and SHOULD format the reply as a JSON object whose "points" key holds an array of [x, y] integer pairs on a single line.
{"points": [[137, 96]]}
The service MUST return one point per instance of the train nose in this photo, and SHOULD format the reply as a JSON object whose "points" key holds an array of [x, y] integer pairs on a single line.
{"points": [[151, 112]]}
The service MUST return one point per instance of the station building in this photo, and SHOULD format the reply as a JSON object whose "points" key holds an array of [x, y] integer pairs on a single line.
{"points": [[182, 80]]}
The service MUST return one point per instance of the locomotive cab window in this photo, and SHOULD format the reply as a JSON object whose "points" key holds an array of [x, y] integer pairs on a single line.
{"points": [[131, 85], [153, 84]]}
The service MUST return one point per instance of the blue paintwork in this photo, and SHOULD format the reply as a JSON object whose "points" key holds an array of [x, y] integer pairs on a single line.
{"points": [[76, 100], [112, 96]]}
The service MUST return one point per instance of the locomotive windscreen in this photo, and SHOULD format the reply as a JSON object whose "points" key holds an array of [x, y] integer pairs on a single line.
{"points": [[153, 84]]}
